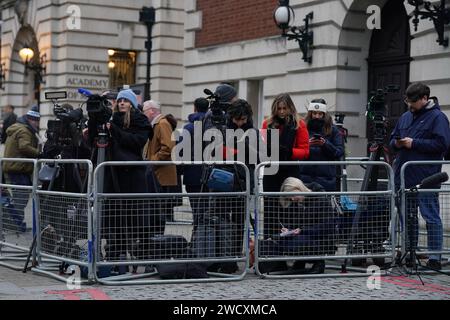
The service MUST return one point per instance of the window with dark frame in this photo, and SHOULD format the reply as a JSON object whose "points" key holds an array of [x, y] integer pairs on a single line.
{"points": [[122, 68]]}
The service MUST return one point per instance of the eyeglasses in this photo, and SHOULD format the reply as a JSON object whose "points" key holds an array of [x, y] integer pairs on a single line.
{"points": [[122, 100], [409, 101]]}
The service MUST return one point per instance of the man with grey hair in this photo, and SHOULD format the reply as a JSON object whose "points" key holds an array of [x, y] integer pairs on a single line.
{"points": [[159, 148], [152, 109]]}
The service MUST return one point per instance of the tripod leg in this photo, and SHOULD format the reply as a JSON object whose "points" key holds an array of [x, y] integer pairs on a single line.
{"points": [[374, 156], [32, 247]]}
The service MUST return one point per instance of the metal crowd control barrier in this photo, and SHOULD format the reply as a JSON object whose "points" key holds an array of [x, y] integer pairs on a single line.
{"points": [[313, 226], [16, 215], [134, 245], [430, 233], [64, 220]]}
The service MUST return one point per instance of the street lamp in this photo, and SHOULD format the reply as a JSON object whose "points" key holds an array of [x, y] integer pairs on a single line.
{"points": [[2, 75], [147, 16], [284, 16], [37, 66], [438, 14]]}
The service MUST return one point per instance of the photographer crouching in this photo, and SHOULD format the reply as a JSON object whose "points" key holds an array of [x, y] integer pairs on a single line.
{"points": [[126, 135]]}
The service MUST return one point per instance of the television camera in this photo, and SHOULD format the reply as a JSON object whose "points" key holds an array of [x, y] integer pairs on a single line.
{"points": [[218, 109], [66, 129], [97, 106], [377, 111]]}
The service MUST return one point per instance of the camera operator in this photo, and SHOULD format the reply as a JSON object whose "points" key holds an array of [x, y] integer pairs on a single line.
{"points": [[325, 144], [238, 117], [422, 133], [219, 222], [226, 95], [293, 145], [128, 133]]}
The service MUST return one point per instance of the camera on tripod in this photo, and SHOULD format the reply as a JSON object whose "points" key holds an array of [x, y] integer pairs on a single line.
{"points": [[377, 111], [339, 121], [66, 129], [218, 108]]}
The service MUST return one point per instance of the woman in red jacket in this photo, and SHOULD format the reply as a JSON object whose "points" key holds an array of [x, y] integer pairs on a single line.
{"points": [[293, 145]]}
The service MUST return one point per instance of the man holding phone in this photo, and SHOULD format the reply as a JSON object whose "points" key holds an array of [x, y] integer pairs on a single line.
{"points": [[422, 133]]}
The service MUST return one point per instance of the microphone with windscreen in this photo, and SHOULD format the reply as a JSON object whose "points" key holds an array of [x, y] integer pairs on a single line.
{"points": [[433, 181], [85, 92]]}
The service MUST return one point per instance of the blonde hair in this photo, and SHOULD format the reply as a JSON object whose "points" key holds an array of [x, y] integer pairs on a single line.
{"points": [[291, 184], [293, 114], [127, 117]]}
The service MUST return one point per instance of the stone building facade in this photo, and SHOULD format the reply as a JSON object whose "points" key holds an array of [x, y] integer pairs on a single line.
{"points": [[199, 43], [75, 37], [238, 42]]}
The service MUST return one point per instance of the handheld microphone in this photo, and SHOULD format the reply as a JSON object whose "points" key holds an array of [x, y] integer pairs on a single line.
{"points": [[434, 180], [208, 92], [84, 92]]}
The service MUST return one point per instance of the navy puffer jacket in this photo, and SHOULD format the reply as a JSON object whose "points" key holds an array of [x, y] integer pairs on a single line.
{"points": [[193, 173]]}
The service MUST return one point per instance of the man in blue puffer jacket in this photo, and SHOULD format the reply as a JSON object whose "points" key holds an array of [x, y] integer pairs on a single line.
{"points": [[192, 173], [422, 133]]}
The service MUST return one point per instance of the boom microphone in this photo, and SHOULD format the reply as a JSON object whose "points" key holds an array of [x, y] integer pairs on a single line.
{"points": [[434, 180], [84, 92]]}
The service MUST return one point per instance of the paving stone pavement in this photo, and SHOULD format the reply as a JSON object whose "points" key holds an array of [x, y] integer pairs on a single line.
{"points": [[30, 286]]}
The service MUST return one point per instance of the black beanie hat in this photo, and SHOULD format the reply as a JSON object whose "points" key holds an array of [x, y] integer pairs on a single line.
{"points": [[225, 92]]}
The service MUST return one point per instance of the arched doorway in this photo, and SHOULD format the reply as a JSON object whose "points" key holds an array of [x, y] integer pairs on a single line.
{"points": [[23, 87], [389, 60]]}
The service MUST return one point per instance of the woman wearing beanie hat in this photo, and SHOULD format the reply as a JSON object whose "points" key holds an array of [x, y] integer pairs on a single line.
{"points": [[325, 144], [129, 132]]}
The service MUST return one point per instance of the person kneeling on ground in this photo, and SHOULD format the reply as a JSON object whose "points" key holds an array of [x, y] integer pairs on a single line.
{"points": [[307, 224]]}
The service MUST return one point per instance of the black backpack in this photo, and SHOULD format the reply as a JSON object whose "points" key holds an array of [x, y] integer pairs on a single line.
{"points": [[174, 246], [173, 122]]}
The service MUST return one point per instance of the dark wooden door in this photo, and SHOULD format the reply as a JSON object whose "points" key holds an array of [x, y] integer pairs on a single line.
{"points": [[389, 61]]}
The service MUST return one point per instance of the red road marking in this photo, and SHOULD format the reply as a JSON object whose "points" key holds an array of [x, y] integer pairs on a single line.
{"points": [[96, 294], [415, 284]]}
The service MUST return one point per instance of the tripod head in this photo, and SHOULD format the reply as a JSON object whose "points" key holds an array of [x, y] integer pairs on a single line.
{"points": [[339, 122], [376, 112], [218, 109]]}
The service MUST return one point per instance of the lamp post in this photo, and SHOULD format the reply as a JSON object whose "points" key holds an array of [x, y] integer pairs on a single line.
{"points": [[2, 76], [438, 14], [284, 16], [37, 66], [147, 16]]}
